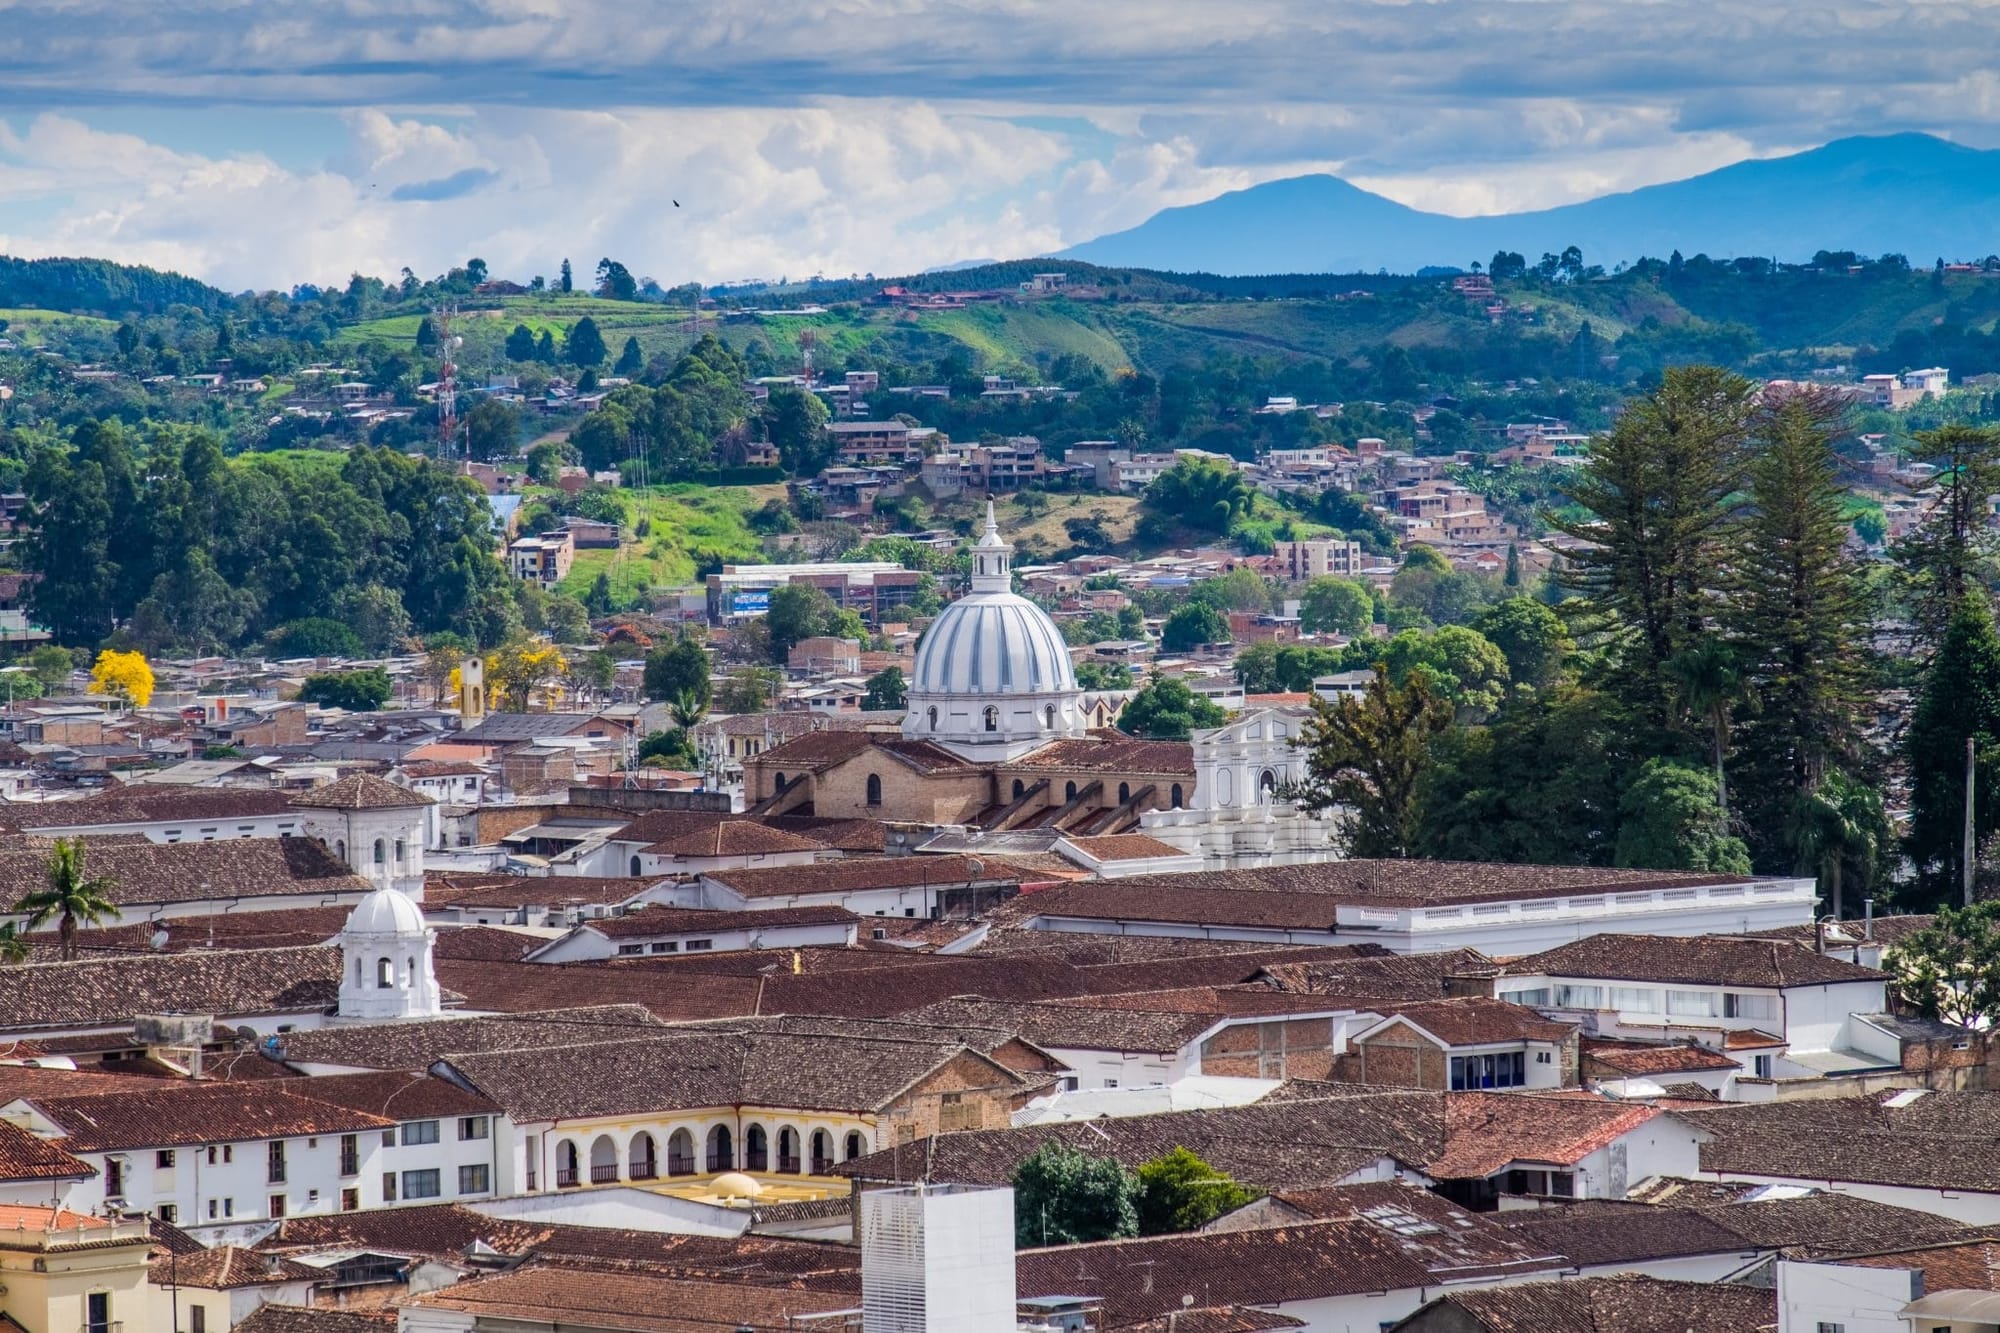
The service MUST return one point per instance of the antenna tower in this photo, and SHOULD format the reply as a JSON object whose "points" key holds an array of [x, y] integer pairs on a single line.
{"points": [[447, 389]]}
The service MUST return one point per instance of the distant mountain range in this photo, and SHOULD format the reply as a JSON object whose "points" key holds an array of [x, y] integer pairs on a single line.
{"points": [[1912, 194]]}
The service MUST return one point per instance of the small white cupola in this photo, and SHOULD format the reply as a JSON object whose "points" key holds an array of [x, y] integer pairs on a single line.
{"points": [[387, 968]]}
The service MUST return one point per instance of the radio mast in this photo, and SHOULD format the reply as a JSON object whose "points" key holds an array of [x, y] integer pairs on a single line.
{"points": [[447, 389]]}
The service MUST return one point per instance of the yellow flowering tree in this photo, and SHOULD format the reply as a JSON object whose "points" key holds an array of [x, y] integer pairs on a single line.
{"points": [[516, 670], [123, 676]]}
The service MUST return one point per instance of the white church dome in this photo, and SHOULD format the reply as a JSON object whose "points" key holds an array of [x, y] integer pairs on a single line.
{"points": [[993, 678], [386, 912], [993, 643]]}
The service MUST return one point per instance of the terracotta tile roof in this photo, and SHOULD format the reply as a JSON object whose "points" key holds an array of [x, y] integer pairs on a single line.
{"points": [[192, 1113], [1488, 1131], [1418, 883], [23, 1156], [1149, 1277], [1608, 1305], [1450, 1241], [1750, 1039], [1937, 1140], [1392, 977], [694, 1069], [148, 802], [1111, 752], [1824, 1224], [496, 944], [227, 1267], [1124, 847], [416, 1046], [640, 1302], [857, 872], [1088, 1024], [845, 835], [393, 1095], [819, 751], [735, 837], [40, 1219], [1232, 1319], [361, 791], [1601, 1232], [654, 920], [300, 1319], [1704, 960], [1971, 1266], [517, 891], [224, 982], [442, 768], [447, 1231], [1642, 1059], [1476, 1020], [157, 872]]}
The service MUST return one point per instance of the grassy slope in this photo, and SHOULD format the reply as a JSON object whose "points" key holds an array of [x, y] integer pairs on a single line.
{"points": [[685, 519], [29, 327]]}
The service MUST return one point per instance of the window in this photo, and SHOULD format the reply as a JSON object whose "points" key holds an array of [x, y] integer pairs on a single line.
{"points": [[1635, 999], [277, 1205], [381, 852], [667, 946], [630, 950], [1562, 1184], [1177, 796], [1531, 997], [114, 1177], [1069, 791], [472, 1127], [350, 1200], [169, 1213], [1579, 997], [473, 1179], [275, 1152], [423, 1184], [992, 716], [1501, 1069], [164, 1159], [931, 715], [1826, 1326], [1735, 1004], [874, 789], [388, 1187], [388, 1138], [1760, 1066], [1049, 716], [1691, 1003], [420, 1131], [385, 973], [700, 946], [97, 1312], [197, 1318], [350, 1155], [400, 853], [1124, 792], [1110, 1082]]}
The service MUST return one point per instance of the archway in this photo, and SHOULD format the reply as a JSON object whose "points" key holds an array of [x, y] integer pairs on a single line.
{"points": [[1069, 791], [1176, 796], [822, 1152], [1267, 783], [385, 973], [635, 865], [931, 713], [756, 1149], [855, 1144], [641, 1158], [721, 1149], [680, 1153], [874, 789], [992, 716], [381, 852], [603, 1161], [788, 1150], [566, 1164], [1020, 788], [1124, 792]]}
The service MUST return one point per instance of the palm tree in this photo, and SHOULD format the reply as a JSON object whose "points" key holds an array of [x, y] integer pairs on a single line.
{"points": [[687, 710], [14, 946], [1709, 685], [1837, 824], [69, 898]]}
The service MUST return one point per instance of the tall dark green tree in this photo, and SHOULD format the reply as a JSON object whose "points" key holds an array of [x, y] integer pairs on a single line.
{"points": [[630, 359], [585, 345], [1370, 755], [1658, 495], [563, 283], [1800, 618], [521, 344], [1959, 698], [1063, 1196], [1952, 549]]}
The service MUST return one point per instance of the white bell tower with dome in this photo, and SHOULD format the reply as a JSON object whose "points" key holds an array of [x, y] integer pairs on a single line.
{"points": [[387, 972], [993, 678]]}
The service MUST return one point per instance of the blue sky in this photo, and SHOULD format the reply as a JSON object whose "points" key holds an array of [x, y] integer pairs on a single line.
{"points": [[261, 144]]}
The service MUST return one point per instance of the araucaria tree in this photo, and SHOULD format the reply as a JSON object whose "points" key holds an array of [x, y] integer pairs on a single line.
{"points": [[1799, 619], [1660, 492], [1953, 549], [1959, 698]]}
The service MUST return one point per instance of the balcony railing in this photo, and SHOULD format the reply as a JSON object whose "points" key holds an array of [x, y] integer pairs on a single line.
{"points": [[821, 1165], [720, 1161], [564, 1179], [788, 1163], [679, 1166], [647, 1170], [604, 1175], [756, 1159]]}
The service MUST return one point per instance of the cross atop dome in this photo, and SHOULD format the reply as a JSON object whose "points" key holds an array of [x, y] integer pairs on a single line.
{"points": [[992, 558]]}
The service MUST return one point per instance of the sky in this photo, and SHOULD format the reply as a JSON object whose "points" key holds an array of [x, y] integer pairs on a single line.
{"points": [[262, 143]]}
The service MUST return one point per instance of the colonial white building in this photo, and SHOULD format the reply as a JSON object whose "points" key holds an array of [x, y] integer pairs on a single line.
{"points": [[1237, 816], [375, 826], [387, 972]]}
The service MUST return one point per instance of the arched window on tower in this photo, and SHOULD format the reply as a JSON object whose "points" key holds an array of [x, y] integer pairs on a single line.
{"points": [[1069, 791], [780, 780], [399, 852], [340, 849], [385, 974], [381, 852], [1020, 788], [1176, 793], [932, 714], [409, 972], [635, 860], [874, 789], [1049, 716], [1124, 792], [992, 718]]}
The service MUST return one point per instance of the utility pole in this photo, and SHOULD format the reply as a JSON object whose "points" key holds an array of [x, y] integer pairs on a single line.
{"points": [[1965, 869]]}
